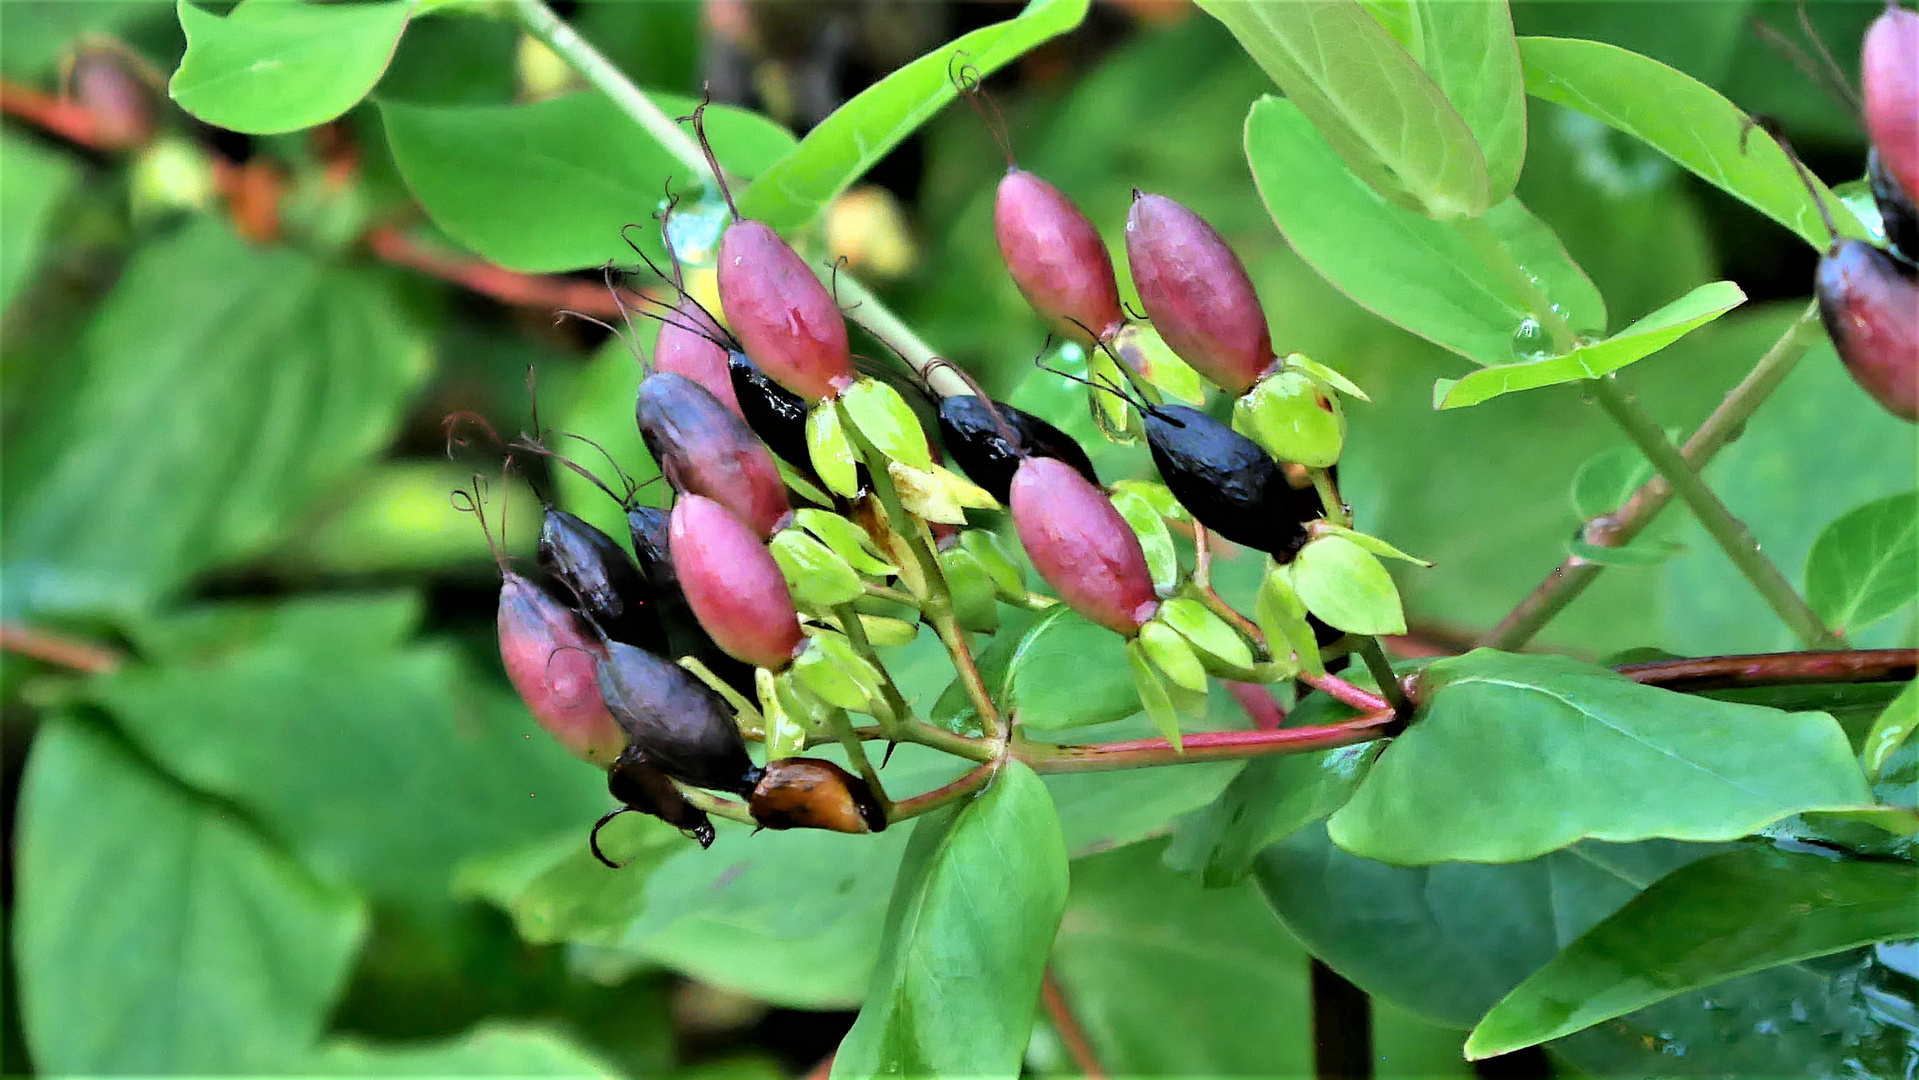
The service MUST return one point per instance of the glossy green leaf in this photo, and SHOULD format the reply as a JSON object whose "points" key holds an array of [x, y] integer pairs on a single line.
{"points": [[1635, 342], [1467, 47], [1707, 922], [1371, 543], [1682, 118], [141, 906], [33, 182], [842, 147], [1272, 798], [884, 419], [1865, 564], [1512, 756], [830, 667], [1207, 631], [271, 66], [819, 577], [938, 494], [1153, 494], [547, 186], [831, 451], [220, 389], [1155, 361], [1418, 273], [1293, 418], [1155, 537], [1384, 116], [1068, 672], [1168, 979], [1891, 730], [1324, 374], [385, 735], [1607, 479], [397, 517], [1345, 585], [979, 898], [975, 601]]}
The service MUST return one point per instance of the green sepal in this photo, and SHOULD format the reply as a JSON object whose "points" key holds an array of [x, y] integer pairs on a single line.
{"points": [[836, 673], [1173, 655], [1153, 695], [1281, 616], [745, 712], [786, 731], [985, 546], [886, 421], [886, 632], [1212, 636], [1155, 539], [1115, 418], [1294, 418], [819, 578], [938, 494], [1371, 543], [834, 459], [1344, 584], [1325, 375], [975, 601], [1148, 354], [848, 541], [1154, 494], [800, 484]]}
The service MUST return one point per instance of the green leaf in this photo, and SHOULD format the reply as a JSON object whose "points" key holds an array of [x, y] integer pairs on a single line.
{"points": [[33, 183], [1144, 959], [1707, 922], [1410, 270], [830, 667], [157, 934], [1684, 119], [348, 744], [1607, 479], [1890, 731], [1371, 543], [221, 388], [492, 1048], [975, 602], [1068, 672], [546, 187], [1637, 553], [884, 419], [1635, 342], [1343, 583], [1467, 47], [271, 66], [1296, 420], [985, 547], [1385, 117], [1272, 798], [831, 451], [842, 147], [1865, 564], [1148, 354], [1155, 537], [397, 517], [819, 578], [979, 898], [938, 494], [1325, 374], [1512, 756]]}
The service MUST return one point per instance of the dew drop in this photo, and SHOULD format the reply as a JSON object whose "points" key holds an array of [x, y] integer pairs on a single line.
{"points": [[694, 230], [1530, 341]]}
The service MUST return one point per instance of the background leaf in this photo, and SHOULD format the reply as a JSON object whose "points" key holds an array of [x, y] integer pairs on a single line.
{"points": [[1709, 921], [1865, 565], [271, 65], [33, 181], [842, 147], [547, 186], [493, 1049], [222, 388], [979, 898], [1368, 98], [1062, 675], [1514, 756], [205, 921]]}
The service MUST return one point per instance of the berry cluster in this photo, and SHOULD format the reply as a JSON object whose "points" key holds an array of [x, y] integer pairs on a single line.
{"points": [[814, 517]]}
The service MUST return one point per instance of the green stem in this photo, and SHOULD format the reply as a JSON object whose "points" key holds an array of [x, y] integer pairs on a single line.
{"points": [[856, 636], [878, 320], [1383, 674], [882, 592], [1619, 528], [1727, 531], [1329, 497], [849, 740], [717, 806]]}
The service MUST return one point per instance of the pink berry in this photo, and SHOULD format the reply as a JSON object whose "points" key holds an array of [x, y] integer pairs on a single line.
{"points": [[1197, 293], [781, 313], [1082, 547], [733, 585], [552, 660], [688, 345], [1870, 304], [1889, 75], [1056, 256], [703, 449]]}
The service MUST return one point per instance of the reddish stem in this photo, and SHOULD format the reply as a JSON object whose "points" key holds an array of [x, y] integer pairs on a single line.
{"points": [[391, 245], [1258, 704], [920, 804], [1070, 1033], [1344, 692], [59, 650], [1207, 746], [55, 115], [1772, 669]]}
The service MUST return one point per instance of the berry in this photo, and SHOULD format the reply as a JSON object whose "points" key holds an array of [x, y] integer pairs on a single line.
{"points": [[1870, 304], [733, 585], [682, 727], [1227, 482], [703, 449], [1197, 293], [689, 345], [1081, 545], [988, 440], [1056, 256], [596, 574], [551, 658], [788, 322], [1889, 75], [806, 793]]}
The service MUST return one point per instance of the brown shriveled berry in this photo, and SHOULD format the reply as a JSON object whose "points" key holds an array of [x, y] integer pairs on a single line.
{"points": [[782, 314], [1870, 304], [1081, 545], [733, 585], [703, 449], [1197, 293], [551, 659], [806, 793], [1056, 256]]}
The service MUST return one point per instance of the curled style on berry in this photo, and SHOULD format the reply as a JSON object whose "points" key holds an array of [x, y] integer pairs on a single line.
{"points": [[704, 449], [598, 575], [643, 789], [682, 727], [1197, 293], [1081, 545], [1889, 77], [685, 635], [550, 656], [733, 585], [807, 793]]}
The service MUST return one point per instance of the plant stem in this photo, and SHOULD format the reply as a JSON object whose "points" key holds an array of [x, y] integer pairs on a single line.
{"points": [[59, 650], [850, 742], [981, 750], [1068, 1026], [1620, 527], [717, 806], [879, 320], [1728, 531], [1774, 669], [1383, 674], [856, 635], [972, 781], [1329, 497], [882, 592], [1205, 746], [1344, 692]]}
